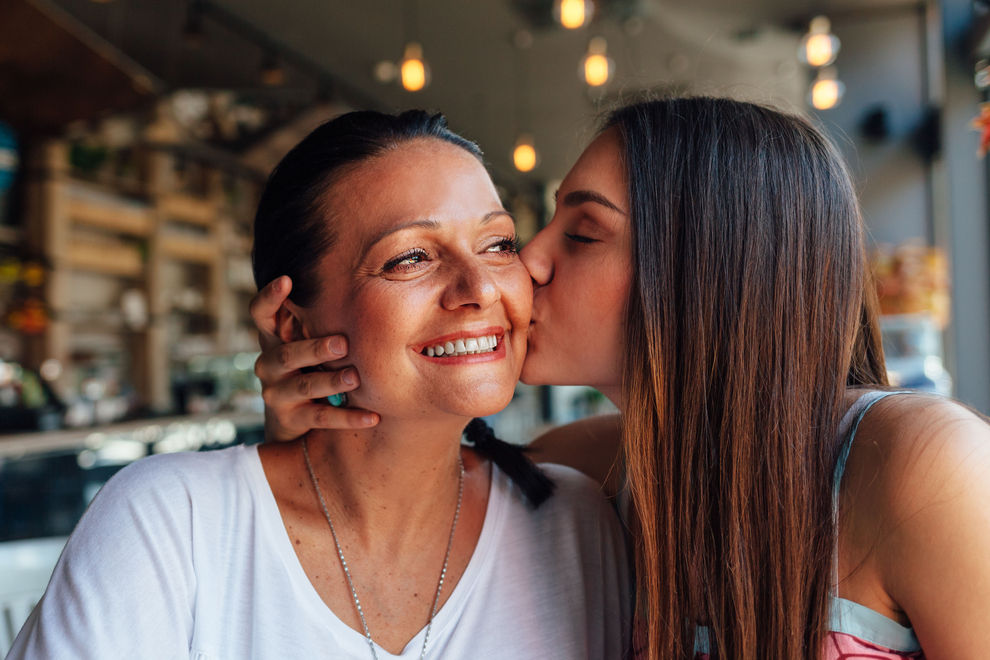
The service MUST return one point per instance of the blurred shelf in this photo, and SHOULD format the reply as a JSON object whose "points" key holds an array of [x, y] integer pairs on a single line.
{"points": [[86, 321], [189, 249], [189, 209], [150, 234], [127, 219], [246, 288], [118, 260], [186, 311]]}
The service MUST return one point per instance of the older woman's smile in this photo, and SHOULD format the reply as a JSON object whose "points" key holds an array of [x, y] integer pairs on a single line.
{"points": [[486, 342]]}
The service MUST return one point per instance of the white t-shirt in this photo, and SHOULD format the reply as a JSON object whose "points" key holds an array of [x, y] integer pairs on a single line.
{"points": [[186, 556]]}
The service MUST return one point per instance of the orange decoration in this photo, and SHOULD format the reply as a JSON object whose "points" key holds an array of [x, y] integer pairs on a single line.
{"points": [[30, 319], [33, 274], [912, 278], [982, 124]]}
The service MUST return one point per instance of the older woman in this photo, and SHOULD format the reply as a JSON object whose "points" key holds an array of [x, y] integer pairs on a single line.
{"points": [[394, 541], [705, 269]]}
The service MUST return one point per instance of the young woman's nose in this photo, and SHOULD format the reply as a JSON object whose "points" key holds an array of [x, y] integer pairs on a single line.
{"points": [[536, 257], [471, 284]]}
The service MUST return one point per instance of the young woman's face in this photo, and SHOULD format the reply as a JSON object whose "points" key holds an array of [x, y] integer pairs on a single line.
{"points": [[425, 281], [581, 265]]}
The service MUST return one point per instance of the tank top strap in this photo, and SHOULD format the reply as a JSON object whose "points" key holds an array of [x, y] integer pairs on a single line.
{"points": [[848, 426]]}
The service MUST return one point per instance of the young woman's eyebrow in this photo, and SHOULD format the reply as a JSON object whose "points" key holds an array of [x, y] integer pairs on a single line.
{"points": [[579, 197]]}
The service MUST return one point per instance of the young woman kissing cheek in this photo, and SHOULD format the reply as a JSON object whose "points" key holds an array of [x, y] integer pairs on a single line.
{"points": [[581, 266], [425, 281]]}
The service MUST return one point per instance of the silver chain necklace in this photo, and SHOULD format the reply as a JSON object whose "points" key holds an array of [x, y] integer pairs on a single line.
{"points": [[347, 571]]}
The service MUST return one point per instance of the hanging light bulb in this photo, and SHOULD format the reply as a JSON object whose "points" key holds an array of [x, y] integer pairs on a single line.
{"points": [[524, 154], [826, 90], [596, 67], [412, 70], [819, 47], [573, 14]]}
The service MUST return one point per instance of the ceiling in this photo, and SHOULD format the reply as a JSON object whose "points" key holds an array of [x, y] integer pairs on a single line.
{"points": [[40, 56], [490, 88]]}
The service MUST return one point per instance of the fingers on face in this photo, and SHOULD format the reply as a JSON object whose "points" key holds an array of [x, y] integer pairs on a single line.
{"points": [[274, 363], [266, 302], [312, 415], [301, 387], [323, 416], [321, 384]]}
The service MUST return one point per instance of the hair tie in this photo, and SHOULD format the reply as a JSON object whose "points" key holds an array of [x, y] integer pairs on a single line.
{"points": [[535, 485]]}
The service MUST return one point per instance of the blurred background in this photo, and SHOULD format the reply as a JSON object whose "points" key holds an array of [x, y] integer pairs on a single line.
{"points": [[135, 136]]}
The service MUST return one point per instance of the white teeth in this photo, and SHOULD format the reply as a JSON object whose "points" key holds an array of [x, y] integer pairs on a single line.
{"points": [[468, 346]]}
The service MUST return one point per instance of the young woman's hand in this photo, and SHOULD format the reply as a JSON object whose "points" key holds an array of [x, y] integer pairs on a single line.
{"points": [[295, 400]]}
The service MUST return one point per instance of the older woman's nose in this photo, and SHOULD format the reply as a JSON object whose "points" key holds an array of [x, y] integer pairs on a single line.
{"points": [[536, 257], [471, 284]]}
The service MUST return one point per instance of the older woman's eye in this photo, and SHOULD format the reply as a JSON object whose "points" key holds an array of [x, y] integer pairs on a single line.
{"points": [[506, 244], [405, 261]]}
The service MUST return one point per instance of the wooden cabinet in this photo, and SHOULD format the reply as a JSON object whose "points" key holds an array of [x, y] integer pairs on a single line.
{"points": [[151, 273]]}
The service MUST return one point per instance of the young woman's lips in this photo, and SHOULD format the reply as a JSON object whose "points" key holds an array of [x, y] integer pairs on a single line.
{"points": [[483, 345]]}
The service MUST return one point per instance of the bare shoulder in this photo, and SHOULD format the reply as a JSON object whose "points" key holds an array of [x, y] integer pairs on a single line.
{"points": [[927, 463], [591, 445], [919, 449], [929, 440]]}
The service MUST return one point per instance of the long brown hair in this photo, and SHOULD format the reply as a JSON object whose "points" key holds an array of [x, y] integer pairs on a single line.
{"points": [[749, 312]]}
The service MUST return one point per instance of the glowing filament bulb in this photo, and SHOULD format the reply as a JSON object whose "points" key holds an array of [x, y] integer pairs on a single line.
{"points": [[819, 47], [413, 69], [572, 14], [826, 91], [524, 154], [597, 67]]}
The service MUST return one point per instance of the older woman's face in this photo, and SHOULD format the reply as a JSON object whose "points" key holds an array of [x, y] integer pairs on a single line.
{"points": [[425, 281], [581, 265]]}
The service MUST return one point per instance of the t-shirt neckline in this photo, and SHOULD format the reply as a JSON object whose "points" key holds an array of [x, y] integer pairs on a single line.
{"points": [[480, 559]]}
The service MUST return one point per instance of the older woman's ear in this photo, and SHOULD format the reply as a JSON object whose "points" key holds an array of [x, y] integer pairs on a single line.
{"points": [[289, 325]]}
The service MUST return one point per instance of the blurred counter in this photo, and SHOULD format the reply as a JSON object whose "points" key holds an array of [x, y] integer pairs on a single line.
{"points": [[176, 433], [48, 478]]}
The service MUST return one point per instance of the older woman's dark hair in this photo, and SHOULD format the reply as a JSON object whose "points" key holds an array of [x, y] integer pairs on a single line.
{"points": [[294, 229], [751, 309]]}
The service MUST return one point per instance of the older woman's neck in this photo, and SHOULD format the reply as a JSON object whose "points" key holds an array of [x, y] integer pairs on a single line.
{"points": [[397, 467]]}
